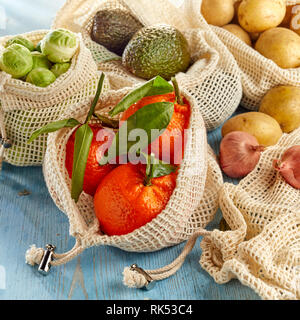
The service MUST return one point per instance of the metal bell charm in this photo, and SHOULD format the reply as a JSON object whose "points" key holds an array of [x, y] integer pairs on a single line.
{"points": [[45, 264], [150, 282]]}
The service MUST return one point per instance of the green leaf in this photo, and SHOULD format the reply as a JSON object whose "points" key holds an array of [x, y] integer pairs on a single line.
{"points": [[152, 116], [155, 86], [83, 140], [156, 168], [95, 101], [54, 126], [162, 169]]}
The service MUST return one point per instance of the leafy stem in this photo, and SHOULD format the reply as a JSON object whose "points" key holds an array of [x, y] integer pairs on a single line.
{"points": [[149, 169], [177, 92], [114, 124], [95, 101], [156, 168]]}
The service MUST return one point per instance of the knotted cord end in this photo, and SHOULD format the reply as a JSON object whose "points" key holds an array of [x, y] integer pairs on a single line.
{"points": [[134, 279], [34, 255]]}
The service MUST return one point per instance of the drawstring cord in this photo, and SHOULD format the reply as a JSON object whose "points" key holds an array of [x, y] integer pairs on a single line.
{"points": [[135, 277], [47, 258]]}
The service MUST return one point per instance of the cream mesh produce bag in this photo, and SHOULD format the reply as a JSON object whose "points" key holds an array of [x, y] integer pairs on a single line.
{"points": [[258, 73], [262, 249], [214, 77], [26, 108], [191, 207]]}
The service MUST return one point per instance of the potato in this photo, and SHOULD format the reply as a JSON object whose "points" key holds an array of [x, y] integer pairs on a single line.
{"points": [[295, 19], [280, 45], [283, 104], [261, 15], [262, 126], [217, 12], [239, 32]]}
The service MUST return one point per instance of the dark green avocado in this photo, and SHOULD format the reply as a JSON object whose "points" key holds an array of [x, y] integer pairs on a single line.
{"points": [[113, 28], [157, 50]]}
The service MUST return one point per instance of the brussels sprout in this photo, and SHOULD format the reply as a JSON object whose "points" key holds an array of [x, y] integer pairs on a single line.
{"points": [[60, 68], [38, 47], [16, 60], [22, 41], [59, 45], [41, 77], [40, 60]]}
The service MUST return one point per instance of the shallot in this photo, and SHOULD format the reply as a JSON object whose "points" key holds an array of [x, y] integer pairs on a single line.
{"points": [[289, 166], [239, 154]]}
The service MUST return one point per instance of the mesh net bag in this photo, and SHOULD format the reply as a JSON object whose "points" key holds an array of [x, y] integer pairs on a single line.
{"points": [[262, 249], [26, 108], [258, 73], [192, 205], [214, 77]]}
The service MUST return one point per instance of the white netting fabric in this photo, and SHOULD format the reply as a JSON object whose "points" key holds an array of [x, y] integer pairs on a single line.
{"points": [[193, 204], [262, 249], [26, 108], [258, 73], [213, 79]]}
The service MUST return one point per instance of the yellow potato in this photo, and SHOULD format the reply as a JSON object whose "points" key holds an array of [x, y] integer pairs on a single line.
{"points": [[262, 126], [217, 12], [261, 15], [280, 45], [239, 32], [283, 104]]}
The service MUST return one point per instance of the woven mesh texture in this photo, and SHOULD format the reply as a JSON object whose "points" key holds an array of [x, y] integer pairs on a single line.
{"points": [[258, 73], [221, 91], [193, 204], [26, 107], [263, 247]]}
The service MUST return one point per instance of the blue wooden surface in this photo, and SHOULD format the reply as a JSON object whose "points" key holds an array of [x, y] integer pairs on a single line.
{"points": [[97, 273]]}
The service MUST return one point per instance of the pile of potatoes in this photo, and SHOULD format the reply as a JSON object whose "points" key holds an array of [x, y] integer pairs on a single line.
{"points": [[279, 113], [270, 26]]}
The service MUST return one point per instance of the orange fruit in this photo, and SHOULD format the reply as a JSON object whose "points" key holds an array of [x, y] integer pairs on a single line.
{"points": [[94, 173], [169, 147], [123, 203]]}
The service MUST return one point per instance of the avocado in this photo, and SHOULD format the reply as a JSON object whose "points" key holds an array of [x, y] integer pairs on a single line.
{"points": [[113, 28], [157, 50]]}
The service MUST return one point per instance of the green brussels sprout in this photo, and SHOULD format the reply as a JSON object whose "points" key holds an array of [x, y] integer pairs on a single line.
{"points": [[40, 60], [16, 60], [60, 68], [22, 41], [41, 77], [38, 47], [59, 45]]}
